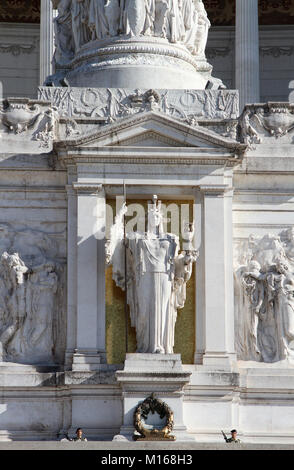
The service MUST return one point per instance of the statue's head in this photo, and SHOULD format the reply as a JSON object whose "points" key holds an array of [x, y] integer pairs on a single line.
{"points": [[155, 217]]}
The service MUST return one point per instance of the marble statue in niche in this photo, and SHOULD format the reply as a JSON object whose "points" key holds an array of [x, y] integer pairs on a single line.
{"points": [[32, 321], [156, 278], [264, 299]]}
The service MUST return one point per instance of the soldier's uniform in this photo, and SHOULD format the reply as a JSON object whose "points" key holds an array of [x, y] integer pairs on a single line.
{"points": [[237, 441]]}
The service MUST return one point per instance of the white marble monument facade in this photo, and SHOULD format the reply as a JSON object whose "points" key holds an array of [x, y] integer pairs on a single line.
{"points": [[63, 156]]}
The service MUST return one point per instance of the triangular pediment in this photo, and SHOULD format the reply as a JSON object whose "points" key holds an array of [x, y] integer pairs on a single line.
{"points": [[153, 129], [150, 138]]}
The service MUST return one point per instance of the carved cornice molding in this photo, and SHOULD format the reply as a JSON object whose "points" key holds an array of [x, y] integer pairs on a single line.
{"points": [[198, 131], [277, 51], [152, 161], [87, 188], [215, 190], [213, 52]]}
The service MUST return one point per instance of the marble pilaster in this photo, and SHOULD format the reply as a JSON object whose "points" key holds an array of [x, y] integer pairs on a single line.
{"points": [[217, 277], [90, 334]]}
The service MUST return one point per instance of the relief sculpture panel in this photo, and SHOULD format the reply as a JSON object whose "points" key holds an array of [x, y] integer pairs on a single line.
{"points": [[32, 310], [264, 298]]}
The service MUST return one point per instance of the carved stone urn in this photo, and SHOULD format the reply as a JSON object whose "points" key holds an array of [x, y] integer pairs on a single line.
{"points": [[279, 121], [19, 115]]}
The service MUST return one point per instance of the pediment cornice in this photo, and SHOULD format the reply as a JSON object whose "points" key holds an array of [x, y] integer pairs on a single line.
{"points": [[166, 127]]}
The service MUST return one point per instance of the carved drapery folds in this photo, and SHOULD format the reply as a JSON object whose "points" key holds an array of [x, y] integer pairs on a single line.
{"points": [[264, 298], [81, 21], [32, 322]]}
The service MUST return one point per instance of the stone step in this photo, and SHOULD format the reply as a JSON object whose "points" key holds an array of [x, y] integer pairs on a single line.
{"points": [[147, 446]]}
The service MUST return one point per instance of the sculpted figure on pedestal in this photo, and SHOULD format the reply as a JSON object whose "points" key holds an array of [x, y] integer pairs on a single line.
{"points": [[80, 22], [156, 279], [190, 18], [112, 13], [64, 45], [265, 300], [148, 29], [255, 292], [12, 278], [160, 25], [202, 29], [133, 16], [98, 23]]}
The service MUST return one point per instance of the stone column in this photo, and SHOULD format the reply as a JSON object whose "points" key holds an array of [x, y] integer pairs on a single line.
{"points": [[247, 52], [90, 334], [46, 40], [217, 278]]}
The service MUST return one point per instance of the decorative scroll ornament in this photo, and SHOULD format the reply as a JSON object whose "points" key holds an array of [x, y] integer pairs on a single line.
{"points": [[153, 405]]}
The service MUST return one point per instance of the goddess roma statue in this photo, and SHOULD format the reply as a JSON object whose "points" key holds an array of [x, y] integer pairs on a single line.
{"points": [[156, 277]]}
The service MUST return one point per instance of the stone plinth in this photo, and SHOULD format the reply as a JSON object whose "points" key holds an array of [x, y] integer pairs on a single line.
{"points": [[137, 63], [161, 374]]}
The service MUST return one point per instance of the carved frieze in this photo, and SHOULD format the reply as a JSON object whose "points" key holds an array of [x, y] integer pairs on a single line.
{"points": [[109, 104]]}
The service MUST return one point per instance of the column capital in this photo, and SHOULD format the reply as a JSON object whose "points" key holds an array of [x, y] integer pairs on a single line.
{"points": [[89, 188], [215, 190]]}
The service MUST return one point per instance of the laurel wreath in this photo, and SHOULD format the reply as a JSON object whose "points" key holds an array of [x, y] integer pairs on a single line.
{"points": [[153, 405]]}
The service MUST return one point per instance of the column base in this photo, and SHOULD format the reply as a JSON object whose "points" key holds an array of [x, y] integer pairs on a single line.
{"points": [[88, 360], [198, 358], [161, 374], [219, 361]]}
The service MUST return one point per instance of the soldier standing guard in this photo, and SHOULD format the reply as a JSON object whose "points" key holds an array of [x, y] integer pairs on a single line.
{"points": [[233, 437]]}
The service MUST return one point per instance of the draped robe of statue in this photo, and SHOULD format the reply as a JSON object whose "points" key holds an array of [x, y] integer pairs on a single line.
{"points": [[190, 20], [80, 27], [149, 292], [202, 29], [149, 18], [133, 16], [176, 23], [97, 19], [63, 31], [156, 280]]}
